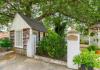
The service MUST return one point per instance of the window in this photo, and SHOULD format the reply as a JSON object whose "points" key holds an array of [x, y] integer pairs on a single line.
{"points": [[19, 39], [37, 37], [41, 36]]}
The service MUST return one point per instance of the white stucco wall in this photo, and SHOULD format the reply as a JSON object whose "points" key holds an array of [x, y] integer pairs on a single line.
{"points": [[18, 23]]}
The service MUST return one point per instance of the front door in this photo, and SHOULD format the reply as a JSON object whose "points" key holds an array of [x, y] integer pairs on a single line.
{"points": [[31, 46]]}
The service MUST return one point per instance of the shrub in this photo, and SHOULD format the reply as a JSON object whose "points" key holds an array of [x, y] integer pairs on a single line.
{"points": [[84, 41], [97, 48], [92, 47], [98, 64], [92, 34], [77, 59], [5, 43], [53, 46]]}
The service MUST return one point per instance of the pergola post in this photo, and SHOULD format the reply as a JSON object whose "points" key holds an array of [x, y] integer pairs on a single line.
{"points": [[96, 28]]}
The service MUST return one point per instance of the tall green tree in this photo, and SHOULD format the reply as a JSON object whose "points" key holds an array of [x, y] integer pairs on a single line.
{"points": [[87, 11]]}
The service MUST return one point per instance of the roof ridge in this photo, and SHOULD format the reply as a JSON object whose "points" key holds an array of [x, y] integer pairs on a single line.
{"points": [[33, 23]]}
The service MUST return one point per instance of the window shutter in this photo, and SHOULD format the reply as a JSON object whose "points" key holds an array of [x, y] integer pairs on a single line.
{"points": [[26, 35], [12, 37]]}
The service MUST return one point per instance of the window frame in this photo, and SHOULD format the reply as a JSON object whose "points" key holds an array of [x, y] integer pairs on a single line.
{"points": [[17, 46]]}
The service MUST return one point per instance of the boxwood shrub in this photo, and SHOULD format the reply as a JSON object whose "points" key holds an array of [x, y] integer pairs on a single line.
{"points": [[6, 43], [53, 46]]}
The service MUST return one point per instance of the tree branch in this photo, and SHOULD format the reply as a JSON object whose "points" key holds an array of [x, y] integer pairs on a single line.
{"points": [[11, 15], [51, 13], [45, 15], [11, 5], [74, 17]]}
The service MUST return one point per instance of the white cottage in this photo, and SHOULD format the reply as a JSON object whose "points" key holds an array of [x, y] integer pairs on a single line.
{"points": [[21, 30]]}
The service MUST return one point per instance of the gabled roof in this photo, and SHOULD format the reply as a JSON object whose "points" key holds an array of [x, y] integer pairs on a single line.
{"points": [[34, 24]]}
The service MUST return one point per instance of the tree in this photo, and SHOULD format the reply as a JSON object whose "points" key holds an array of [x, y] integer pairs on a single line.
{"points": [[86, 11]]}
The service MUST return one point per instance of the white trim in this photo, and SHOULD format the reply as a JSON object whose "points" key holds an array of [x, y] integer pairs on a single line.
{"points": [[14, 38], [30, 32]]}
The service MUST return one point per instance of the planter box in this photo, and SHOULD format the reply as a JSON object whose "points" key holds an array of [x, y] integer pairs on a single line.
{"points": [[83, 67], [20, 51], [97, 51], [90, 68], [49, 60], [5, 53]]}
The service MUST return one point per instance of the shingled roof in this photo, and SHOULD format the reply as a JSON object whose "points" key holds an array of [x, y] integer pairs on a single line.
{"points": [[34, 24]]}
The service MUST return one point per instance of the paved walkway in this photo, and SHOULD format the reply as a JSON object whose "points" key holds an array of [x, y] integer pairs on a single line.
{"points": [[24, 63]]}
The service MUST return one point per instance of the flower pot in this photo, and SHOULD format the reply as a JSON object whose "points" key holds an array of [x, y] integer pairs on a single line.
{"points": [[97, 51], [83, 67], [79, 68], [90, 68]]}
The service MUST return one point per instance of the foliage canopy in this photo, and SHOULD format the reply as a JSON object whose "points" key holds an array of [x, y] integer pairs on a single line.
{"points": [[82, 10], [55, 13]]}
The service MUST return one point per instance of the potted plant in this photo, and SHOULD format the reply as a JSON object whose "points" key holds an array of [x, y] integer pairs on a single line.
{"points": [[81, 60], [77, 60], [87, 60], [98, 62], [91, 60], [98, 51]]}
